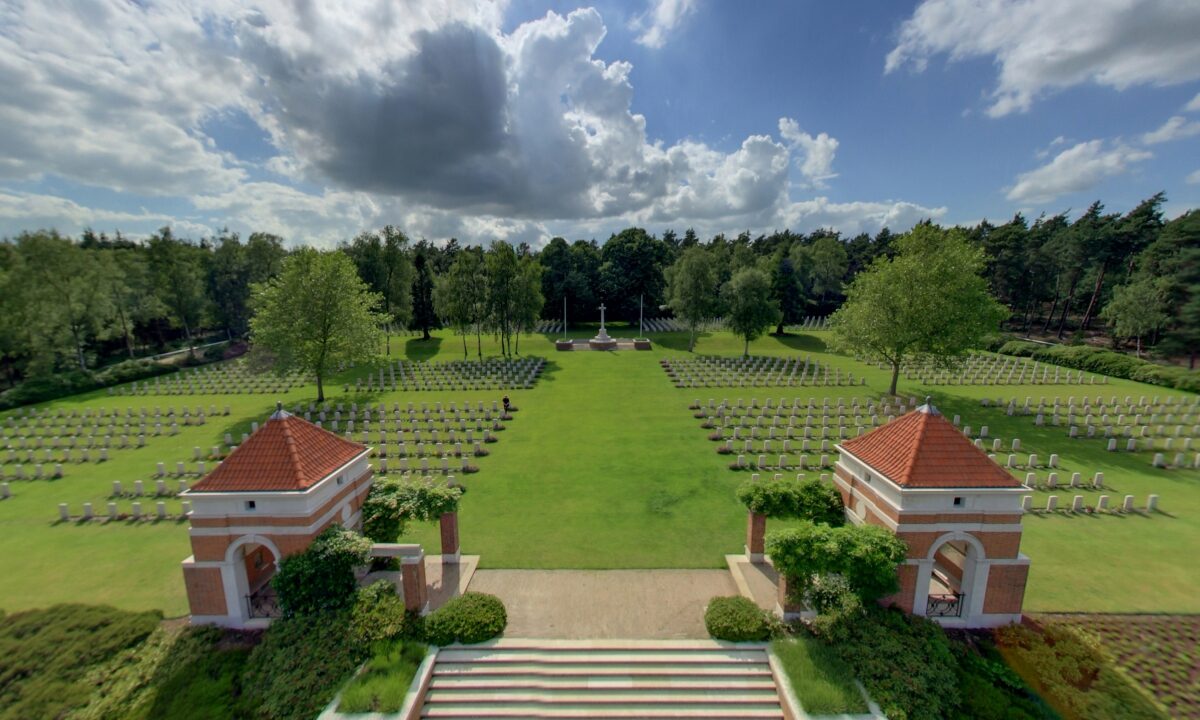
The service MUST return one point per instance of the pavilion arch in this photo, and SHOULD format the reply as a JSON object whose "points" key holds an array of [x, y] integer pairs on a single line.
{"points": [[953, 576], [956, 536], [236, 545]]}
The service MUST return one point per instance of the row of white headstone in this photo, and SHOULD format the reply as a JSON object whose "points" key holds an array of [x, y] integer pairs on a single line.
{"points": [[1078, 505], [114, 513]]}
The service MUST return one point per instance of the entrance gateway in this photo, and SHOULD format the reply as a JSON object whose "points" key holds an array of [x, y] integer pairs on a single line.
{"points": [[956, 509]]}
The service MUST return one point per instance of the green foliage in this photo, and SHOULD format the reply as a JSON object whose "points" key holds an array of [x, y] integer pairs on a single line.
{"points": [[299, 666], [383, 684], [321, 579], [692, 288], [178, 672], [46, 655], [751, 305], [929, 301], [1138, 309], [392, 502], [461, 297], [823, 682], [379, 614], [737, 619], [472, 617], [808, 499], [904, 661], [1020, 348], [865, 555], [1069, 668], [315, 315], [1106, 362]]}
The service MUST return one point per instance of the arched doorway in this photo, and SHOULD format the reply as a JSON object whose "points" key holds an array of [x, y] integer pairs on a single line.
{"points": [[950, 574], [254, 561]]}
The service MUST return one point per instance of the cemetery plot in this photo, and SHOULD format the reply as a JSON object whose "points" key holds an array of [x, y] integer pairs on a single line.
{"points": [[226, 379], [989, 369], [1158, 651], [791, 434], [1167, 429], [424, 438], [549, 327], [712, 371], [453, 375], [37, 443]]}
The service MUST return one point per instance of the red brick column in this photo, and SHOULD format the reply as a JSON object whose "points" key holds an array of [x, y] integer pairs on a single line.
{"points": [[756, 531], [412, 576], [785, 605], [449, 528]]}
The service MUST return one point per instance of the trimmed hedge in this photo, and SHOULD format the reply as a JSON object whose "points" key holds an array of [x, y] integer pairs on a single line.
{"points": [[62, 384], [473, 617], [299, 666], [1106, 362], [737, 619]]}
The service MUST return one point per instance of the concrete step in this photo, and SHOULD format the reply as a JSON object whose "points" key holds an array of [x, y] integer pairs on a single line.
{"points": [[583, 668], [621, 696], [515, 710], [605, 679], [588, 656], [479, 681]]}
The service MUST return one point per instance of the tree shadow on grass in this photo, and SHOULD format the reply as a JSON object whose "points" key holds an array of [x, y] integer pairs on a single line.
{"points": [[805, 343], [422, 349], [676, 340]]}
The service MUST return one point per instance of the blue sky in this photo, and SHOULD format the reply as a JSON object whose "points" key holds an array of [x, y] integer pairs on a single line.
{"points": [[525, 120]]}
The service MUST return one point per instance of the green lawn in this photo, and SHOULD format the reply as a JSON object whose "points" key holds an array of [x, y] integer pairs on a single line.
{"points": [[823, 683], [605, 467]]}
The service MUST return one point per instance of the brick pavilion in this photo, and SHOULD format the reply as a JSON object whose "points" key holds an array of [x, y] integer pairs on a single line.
{"points": [[288, 482], [957, 510]]}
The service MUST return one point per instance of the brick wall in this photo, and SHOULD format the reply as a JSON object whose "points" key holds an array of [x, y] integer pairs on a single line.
{"points": [[205, 591], [1006, 588]]}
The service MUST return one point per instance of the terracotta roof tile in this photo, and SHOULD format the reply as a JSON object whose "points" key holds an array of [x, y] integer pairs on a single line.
{"points": [[924, 450], [285, 453]]}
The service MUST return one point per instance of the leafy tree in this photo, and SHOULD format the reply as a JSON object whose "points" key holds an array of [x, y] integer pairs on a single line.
{"points": [[866, 556], [1136, 310], [503, 273], [829, 262], [315, 315], [929, 301], [810, 500], [1121, 241], [179, 270], [424, 315], [527, 297], [633, 263], [751, 307], [692, 288], [790, 275], [383, 264], [461, 296], [392, 503], [321, 578], [64, 293]]}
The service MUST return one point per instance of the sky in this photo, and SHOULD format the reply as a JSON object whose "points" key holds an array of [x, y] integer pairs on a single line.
{"points": [[521, 120]]}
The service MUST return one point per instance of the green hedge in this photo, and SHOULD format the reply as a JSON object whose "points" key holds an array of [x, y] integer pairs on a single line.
{"points": [[1106, 362], [472, 617], [46, 655], [299, 666], [62, 384], [737, 619]]}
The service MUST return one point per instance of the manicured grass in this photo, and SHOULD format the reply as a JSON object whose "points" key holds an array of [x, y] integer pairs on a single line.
{"points": [[383, 683], [605, 467], [823, 683]]}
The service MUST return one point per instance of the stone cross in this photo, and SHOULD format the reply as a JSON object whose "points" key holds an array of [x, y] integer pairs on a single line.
{"points": [[602, 309]]}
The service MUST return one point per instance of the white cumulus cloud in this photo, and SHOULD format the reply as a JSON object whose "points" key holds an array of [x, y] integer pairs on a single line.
{"points": [[816, 159], [660, 18], [1175, 128], [1075, 169], [1044, 45]]}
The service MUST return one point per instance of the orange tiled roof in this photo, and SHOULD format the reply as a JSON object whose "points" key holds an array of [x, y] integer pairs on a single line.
{"points": [[924, 450], [285, 453]]}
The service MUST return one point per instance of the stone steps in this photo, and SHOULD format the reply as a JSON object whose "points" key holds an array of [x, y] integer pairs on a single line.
{"points": [[602, 679]]}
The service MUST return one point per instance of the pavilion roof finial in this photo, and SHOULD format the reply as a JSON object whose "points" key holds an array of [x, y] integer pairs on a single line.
{"points": [[928, 407]]}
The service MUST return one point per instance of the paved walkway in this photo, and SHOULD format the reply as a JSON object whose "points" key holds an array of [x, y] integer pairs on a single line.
{"points": [[605, 604]]}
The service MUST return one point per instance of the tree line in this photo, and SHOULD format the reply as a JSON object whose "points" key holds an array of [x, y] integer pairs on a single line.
{"points": [[80, 303]]}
